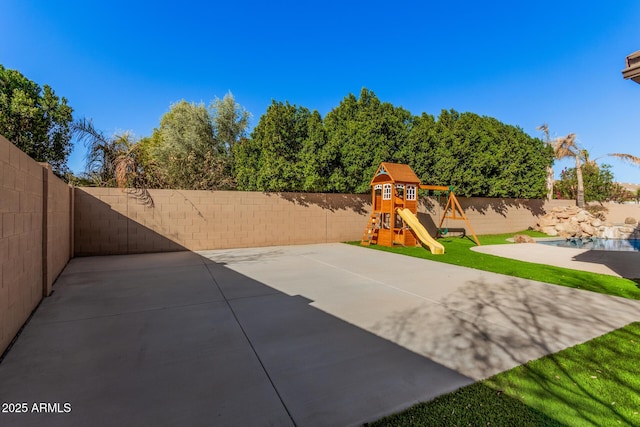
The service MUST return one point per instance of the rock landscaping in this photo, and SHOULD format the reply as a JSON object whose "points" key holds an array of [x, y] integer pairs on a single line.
{"points": [[574, 222]]}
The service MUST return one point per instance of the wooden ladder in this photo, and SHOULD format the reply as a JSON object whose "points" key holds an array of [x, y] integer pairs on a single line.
{"points": [[371, 233]]}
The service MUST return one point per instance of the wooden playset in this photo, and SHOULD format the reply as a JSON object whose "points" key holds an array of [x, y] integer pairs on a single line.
{"points": [[394, 206]]}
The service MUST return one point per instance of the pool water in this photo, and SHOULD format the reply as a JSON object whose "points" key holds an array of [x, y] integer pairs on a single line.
{"points": [[597, 244]]}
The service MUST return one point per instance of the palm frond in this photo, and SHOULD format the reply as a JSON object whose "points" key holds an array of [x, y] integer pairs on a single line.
{"points": [[566, 147], [627, 157]]}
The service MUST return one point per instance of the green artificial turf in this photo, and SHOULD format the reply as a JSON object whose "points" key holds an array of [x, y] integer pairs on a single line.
{"points": [[457, 252], [596, 383]]}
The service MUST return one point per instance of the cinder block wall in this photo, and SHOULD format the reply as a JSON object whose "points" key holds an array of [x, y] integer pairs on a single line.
{"points": [[59, 227], [493, 216], [30, 258], [21, 244], [110, 221]]}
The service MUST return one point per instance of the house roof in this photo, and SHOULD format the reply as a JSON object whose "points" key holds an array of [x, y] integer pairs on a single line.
{"points": [[633, 67], [397, 172]]}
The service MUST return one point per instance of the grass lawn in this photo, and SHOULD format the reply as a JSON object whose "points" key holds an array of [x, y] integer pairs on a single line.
{"points": [[457, 251], [596, 383]]}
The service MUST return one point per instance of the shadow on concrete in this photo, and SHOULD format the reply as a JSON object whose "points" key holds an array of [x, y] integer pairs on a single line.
{"points": [[175, 338], [474, 328], [476, 325], [624, 263]]}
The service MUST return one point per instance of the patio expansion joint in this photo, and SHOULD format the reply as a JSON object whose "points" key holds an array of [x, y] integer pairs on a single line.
{"points": [[404, 291], [253, 349], [264, 295]]}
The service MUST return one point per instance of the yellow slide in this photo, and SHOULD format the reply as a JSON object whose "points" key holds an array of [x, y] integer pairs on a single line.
{"points": [[421, 233]]}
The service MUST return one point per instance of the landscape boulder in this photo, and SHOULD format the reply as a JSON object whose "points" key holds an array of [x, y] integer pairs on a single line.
{"points": [[583, 216], [523, 238], [587, 229], [573, 222], [547, 220], [549, 230]]}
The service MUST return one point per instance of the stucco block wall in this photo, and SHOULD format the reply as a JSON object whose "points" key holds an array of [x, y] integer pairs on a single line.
{"points": [[110, 221], [35, 221]]}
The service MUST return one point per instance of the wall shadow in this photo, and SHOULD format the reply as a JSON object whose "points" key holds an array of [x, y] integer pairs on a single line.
{"points": [[141, 195], [427, 222], [100, 229], [482, 205], [502, 206], [358, 203]]}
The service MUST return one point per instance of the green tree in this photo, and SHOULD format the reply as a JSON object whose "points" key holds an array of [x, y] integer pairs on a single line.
{"points": [[35, 119], [230, 121], [361, 133], [270, 160], [620, 194], [292, 149], [597, 181], [316, 169], [419, 150], [146, 148], [246, 156], [193, 147], [480, 156]]}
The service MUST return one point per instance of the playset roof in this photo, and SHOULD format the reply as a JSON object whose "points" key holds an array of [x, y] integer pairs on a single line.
{"points": [[395, 172]]}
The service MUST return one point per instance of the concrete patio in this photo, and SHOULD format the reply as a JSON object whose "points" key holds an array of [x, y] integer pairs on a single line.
{"points": [[613, 263], [315, 335]]}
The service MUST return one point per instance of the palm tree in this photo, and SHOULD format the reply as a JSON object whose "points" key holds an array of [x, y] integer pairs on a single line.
{"points": [[549, 180], [110, 161], [567, 147], [114, 161]]}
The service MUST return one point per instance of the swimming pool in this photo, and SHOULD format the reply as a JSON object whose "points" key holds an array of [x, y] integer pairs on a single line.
{"points": [[597, 244]]}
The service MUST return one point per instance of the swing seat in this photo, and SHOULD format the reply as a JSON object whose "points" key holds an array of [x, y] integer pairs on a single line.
{"points": [[461, 230]]}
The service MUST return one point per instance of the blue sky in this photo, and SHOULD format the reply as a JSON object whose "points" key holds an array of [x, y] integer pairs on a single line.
{"points": [[122, 63]]}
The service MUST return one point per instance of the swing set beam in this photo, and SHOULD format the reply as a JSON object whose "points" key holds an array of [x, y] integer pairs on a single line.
{"points": [[435, 187], [456, 210]]}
